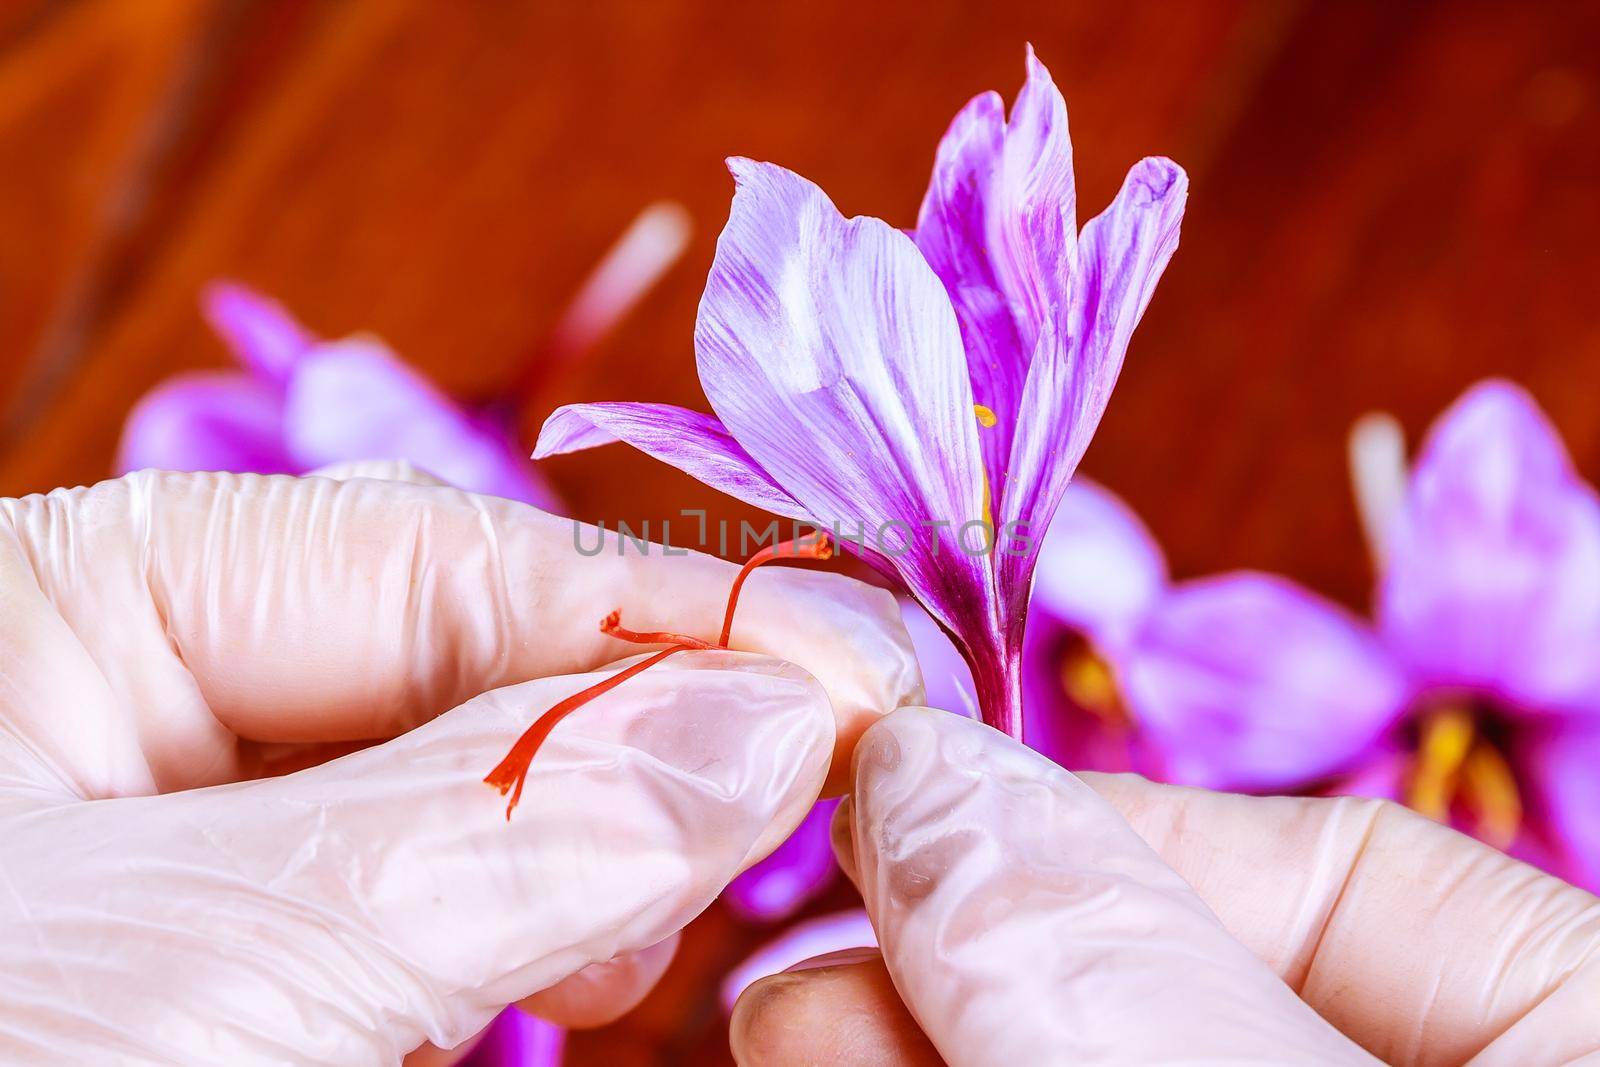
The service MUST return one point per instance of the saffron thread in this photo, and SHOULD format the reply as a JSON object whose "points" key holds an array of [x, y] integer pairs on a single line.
{"points": [[511, 773]]}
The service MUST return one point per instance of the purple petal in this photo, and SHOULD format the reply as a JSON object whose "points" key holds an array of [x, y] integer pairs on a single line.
{"points": [[1061, 728], [1099, 568], [1120, 256], [517, 1039], [998, 226], [354, 399], [830, 351], [692, 441], [1493, 576], [1248, 682], [1557, 762], [792, 875], [829, 933], [946, 678], [220, 421], [1381, 772], [261, 332]]}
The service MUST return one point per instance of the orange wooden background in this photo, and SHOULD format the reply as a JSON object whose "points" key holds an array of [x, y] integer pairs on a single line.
{"points": [[1390, 200]]}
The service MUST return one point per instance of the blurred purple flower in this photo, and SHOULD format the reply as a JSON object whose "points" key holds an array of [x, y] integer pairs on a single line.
{"points": [[516, 1039], [1476, 699], [301, 402], [891, 385], [793, 874]]}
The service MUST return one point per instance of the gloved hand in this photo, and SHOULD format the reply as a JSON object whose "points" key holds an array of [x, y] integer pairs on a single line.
{"points": [[167, 640], [1030, 917]]}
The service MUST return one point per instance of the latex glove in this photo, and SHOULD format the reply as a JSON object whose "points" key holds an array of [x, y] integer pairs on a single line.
{"points": [[1024, 921], [165, 634]]}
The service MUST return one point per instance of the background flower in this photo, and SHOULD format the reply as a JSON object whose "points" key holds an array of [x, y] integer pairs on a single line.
{"points": [[299, 402], [1472, 699]]}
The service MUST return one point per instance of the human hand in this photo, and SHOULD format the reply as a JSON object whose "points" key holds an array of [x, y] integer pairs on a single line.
{"points": [[1028, 916], [166, 641]]}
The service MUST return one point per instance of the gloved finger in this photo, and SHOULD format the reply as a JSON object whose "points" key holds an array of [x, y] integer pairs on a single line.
{"points": [[180, 612], [383, 470], [1422, 944], [838, 1008], [287, 757], [430, 1055], [841, 836], [1023, 921], [348, 912], [603, 992]]}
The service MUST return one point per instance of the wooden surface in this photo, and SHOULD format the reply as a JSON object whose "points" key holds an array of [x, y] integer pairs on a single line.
{"points": [[1390, 200]]}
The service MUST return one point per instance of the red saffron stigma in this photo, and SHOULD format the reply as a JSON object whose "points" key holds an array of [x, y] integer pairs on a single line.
{"points": [[818, 547], [612, 626], [511, 773]]}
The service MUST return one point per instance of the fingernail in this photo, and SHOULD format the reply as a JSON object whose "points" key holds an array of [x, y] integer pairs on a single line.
{"points": [[842, 958]]}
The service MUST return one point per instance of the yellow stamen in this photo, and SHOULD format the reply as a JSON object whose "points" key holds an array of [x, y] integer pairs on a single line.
{"points": [[1447, 737], [1493, 792], [1088, 682], [986, 419]]}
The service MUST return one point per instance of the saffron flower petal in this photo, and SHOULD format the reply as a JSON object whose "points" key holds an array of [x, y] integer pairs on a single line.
{"points": [[1381, 772], [1248, 682], [207, 421], [829, 350], [1492, 580], [354, 399], [260, 331], [998, 226], [517, 1039], [1120, 256], [694, 442], [1558, 770], [1100, 569], [305, 403], [946, 678]]}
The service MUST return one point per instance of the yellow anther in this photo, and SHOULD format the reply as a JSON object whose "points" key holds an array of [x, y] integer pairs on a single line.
{"points": [[986, 419], [1089, 683], [1491, 788], [1447, 737]]}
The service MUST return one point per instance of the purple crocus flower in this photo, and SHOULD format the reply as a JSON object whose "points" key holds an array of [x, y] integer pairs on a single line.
{"points": [[793, 874], [915, 394], [517, 1039], [1475, 698], [300, 402], [1236, 681]]}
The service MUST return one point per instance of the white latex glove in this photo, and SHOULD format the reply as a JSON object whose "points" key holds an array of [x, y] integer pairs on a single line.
{"points": [[1025, 921], [164, 635]]}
